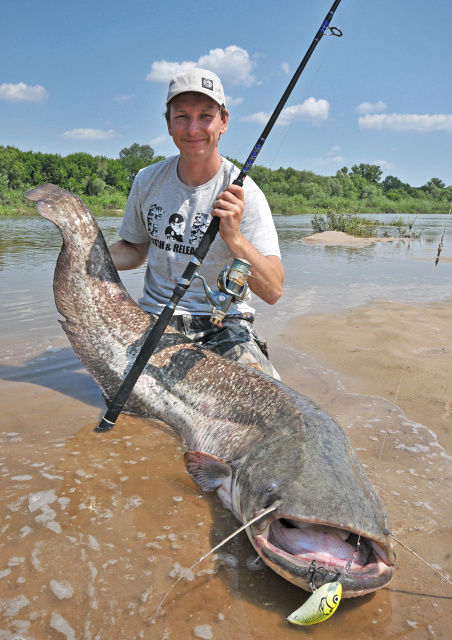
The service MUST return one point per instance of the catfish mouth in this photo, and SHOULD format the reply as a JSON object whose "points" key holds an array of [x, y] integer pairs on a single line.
{"points": [[290, 546]]}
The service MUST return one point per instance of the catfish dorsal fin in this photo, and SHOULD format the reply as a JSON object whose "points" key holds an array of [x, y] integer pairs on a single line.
{"points": [[207, 470]]}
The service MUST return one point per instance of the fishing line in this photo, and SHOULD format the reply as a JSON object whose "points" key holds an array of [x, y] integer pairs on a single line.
{"points": [[295, 116], [333, 31], [350, 562], [419, 557], [441, 245], [387, 532], [308, 88], [395, 400], [186, 571]]}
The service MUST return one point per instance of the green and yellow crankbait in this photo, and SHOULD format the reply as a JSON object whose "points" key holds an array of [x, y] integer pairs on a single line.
{"points": [[318, 607]]}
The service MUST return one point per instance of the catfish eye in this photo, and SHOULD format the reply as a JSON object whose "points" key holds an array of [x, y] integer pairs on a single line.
{"points": [[271, 487]]}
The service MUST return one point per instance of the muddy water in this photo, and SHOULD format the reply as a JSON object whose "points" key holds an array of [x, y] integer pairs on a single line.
{"points": [[94, 529]]}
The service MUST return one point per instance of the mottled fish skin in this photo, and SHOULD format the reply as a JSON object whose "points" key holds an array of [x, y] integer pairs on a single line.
{"points": [[259, 442]]}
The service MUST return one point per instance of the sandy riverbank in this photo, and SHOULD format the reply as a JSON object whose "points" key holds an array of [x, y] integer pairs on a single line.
{"points": [[400, 352]]}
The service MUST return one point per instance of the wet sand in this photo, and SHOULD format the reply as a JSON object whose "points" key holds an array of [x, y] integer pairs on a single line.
{"points": [[95, 528], [389, 365], [399, 352]]}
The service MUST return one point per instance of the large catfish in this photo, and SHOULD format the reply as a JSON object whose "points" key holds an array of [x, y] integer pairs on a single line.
{"points": [[255, 441]]}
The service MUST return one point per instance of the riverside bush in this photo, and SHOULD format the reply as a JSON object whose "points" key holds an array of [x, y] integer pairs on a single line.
{"points": [[349, 223]]}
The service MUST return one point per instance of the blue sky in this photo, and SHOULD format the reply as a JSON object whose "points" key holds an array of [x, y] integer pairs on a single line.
{"points": [[92, 76]]}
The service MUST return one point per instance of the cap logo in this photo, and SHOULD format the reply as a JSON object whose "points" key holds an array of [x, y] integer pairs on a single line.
{"points": [[207, 84]]}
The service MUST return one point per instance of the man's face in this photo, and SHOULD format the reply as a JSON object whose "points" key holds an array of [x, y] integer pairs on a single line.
{"points": [[195, 125]]}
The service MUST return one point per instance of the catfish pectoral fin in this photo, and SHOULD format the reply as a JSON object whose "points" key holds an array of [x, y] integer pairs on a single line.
{"points": [[207, 470]]}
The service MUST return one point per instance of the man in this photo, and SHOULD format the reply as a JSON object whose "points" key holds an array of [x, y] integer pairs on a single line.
{"points": [[184, 190]]}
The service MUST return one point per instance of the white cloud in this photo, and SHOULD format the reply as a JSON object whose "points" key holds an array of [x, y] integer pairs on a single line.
{"points": [[159, 140], [22, 92], [233, 102], [163, 70], [407, 122], [369, 107], [232, 64], [329, 157], [327, 160], [384, 164], [311, 109], [285, 67], [125, 97], [89, 134]]}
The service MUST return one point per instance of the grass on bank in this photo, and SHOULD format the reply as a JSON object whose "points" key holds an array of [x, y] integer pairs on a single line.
{"points": [[291, 205], [12, 202]]}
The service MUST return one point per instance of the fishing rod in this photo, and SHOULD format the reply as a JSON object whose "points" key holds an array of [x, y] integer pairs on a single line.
{"points": [[190, 273]]}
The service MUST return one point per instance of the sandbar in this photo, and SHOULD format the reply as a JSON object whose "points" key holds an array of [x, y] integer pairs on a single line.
{"points": [[339, 238]]}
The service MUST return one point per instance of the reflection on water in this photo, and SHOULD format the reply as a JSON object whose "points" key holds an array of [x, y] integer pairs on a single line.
{"points": [[319, 279], [95, 528]]}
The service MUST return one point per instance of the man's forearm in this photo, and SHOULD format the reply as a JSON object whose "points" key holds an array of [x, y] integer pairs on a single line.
{"points": [[268, 271], [126, 255]]}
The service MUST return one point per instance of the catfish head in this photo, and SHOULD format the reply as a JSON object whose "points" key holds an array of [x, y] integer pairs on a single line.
{"points": [[327, 520]]}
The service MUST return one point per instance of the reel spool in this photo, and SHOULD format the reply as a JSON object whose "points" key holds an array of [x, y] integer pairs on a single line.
{"points": [[232, 287]]}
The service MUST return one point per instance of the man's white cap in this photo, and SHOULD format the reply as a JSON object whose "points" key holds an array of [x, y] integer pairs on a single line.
{"points": [[198, 80]]}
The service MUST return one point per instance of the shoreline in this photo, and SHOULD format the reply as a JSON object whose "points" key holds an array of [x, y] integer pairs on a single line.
{"points": [[399, 352]]}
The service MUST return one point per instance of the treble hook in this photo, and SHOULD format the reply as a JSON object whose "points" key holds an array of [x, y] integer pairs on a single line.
{"points": [[333, 31], [314, 569]]}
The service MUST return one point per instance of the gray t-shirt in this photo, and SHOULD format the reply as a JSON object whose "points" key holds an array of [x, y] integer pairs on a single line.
{"points": [[174, 216]]}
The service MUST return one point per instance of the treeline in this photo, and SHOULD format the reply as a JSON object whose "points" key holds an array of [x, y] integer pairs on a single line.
{"points": [[105, 183], [356, 190]]}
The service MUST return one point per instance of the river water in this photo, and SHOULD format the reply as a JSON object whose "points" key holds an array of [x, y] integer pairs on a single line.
{"points": [[94, 529]]}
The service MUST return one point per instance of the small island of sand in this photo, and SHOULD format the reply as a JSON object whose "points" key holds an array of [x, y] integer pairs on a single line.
{"points": [[339, 238]]}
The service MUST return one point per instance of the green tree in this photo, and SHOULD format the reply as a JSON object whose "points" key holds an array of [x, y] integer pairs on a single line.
{"points": [[347, 185], [137, 157], [436, 182], [391, 183], [435, 188], [4, 182], [95, 186], [17, 175], [102, 168], [370, 172], [117, 176]]}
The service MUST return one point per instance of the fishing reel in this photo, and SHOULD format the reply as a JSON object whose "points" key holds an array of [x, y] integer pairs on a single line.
{"points": [[232, 287]]}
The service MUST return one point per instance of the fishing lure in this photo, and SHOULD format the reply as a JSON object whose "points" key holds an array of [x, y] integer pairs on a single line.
{"points": [[319, 606]]}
